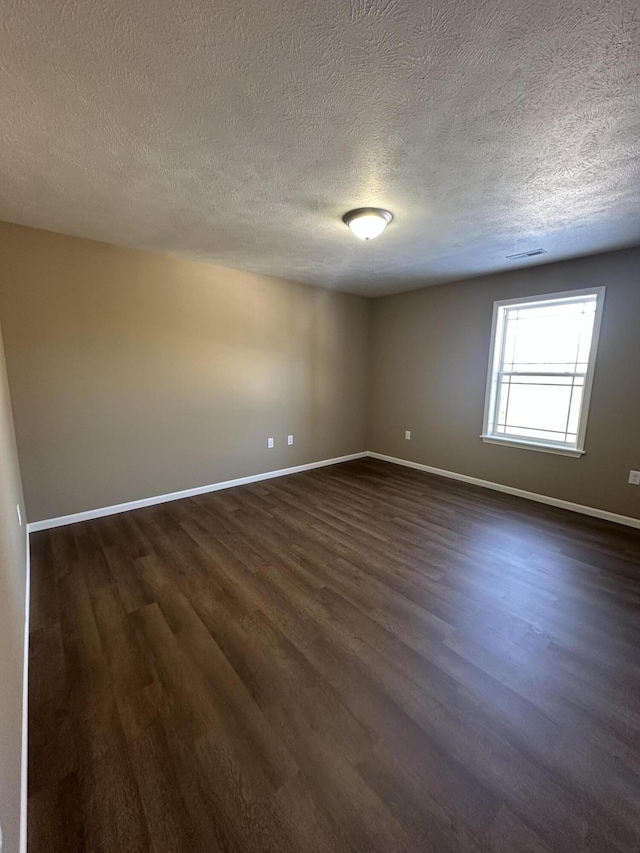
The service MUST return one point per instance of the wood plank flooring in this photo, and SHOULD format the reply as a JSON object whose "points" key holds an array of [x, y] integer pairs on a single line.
{"points": [[358, 659]]}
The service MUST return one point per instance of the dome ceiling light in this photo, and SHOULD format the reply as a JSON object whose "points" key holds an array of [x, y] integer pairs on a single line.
{"points": [[367, 222]]}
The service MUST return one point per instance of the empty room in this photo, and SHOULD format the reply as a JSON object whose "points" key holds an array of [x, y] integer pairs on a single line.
{"points": [[320, 426]]}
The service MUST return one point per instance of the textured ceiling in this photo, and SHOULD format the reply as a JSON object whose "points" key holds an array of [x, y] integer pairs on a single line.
{"points": [[242, 130]]}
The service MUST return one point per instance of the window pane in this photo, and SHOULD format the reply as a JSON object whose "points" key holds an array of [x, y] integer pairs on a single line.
{"points": [[536, 407], [535, 434], [549, 338], [585, 339], [574, 411]]}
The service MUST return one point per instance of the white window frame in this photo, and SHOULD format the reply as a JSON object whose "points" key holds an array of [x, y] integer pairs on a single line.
{"points": [[495, 360]]}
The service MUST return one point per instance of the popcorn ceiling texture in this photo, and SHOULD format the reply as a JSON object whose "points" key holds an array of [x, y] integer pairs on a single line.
{"points": [[242, 131]]}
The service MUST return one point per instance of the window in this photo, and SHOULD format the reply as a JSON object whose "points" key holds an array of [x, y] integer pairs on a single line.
{"points": [[541, 366]]}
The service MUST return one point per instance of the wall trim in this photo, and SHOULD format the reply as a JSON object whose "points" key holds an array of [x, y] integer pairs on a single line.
{"points": [[25, 703], [88, 515], [627, 520]]}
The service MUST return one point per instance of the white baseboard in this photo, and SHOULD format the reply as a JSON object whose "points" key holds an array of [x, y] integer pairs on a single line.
{"points": [[90, 514], [25, 705], [510, 490]]}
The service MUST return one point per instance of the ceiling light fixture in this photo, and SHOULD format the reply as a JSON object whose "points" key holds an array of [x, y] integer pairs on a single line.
{"points": [[367, 222]]}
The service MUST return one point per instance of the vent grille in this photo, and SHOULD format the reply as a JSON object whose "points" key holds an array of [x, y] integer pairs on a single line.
{"points": [[530, 254]]}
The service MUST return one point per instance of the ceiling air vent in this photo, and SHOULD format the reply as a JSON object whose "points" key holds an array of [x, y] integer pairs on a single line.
{"points": [[530, 254]]}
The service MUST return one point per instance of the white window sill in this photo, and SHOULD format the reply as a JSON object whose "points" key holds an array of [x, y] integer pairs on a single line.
{"points": [[524, 444]]}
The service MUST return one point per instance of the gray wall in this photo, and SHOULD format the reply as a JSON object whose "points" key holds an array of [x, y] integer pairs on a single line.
{"points": [[12, 615], [135, 374], [429, 370]]}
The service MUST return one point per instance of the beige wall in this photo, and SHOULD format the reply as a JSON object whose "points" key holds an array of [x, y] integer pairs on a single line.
{"points": [[134, 374], [12, 599], [429, 370]]}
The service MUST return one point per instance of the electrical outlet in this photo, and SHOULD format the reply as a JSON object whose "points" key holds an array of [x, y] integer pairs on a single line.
{"points": [[634, 478], [269, 443], [289, 439], [19, 514], [407, 434]]}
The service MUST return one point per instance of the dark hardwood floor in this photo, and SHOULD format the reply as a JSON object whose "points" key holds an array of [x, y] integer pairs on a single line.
{"points": [[359, 659]]}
